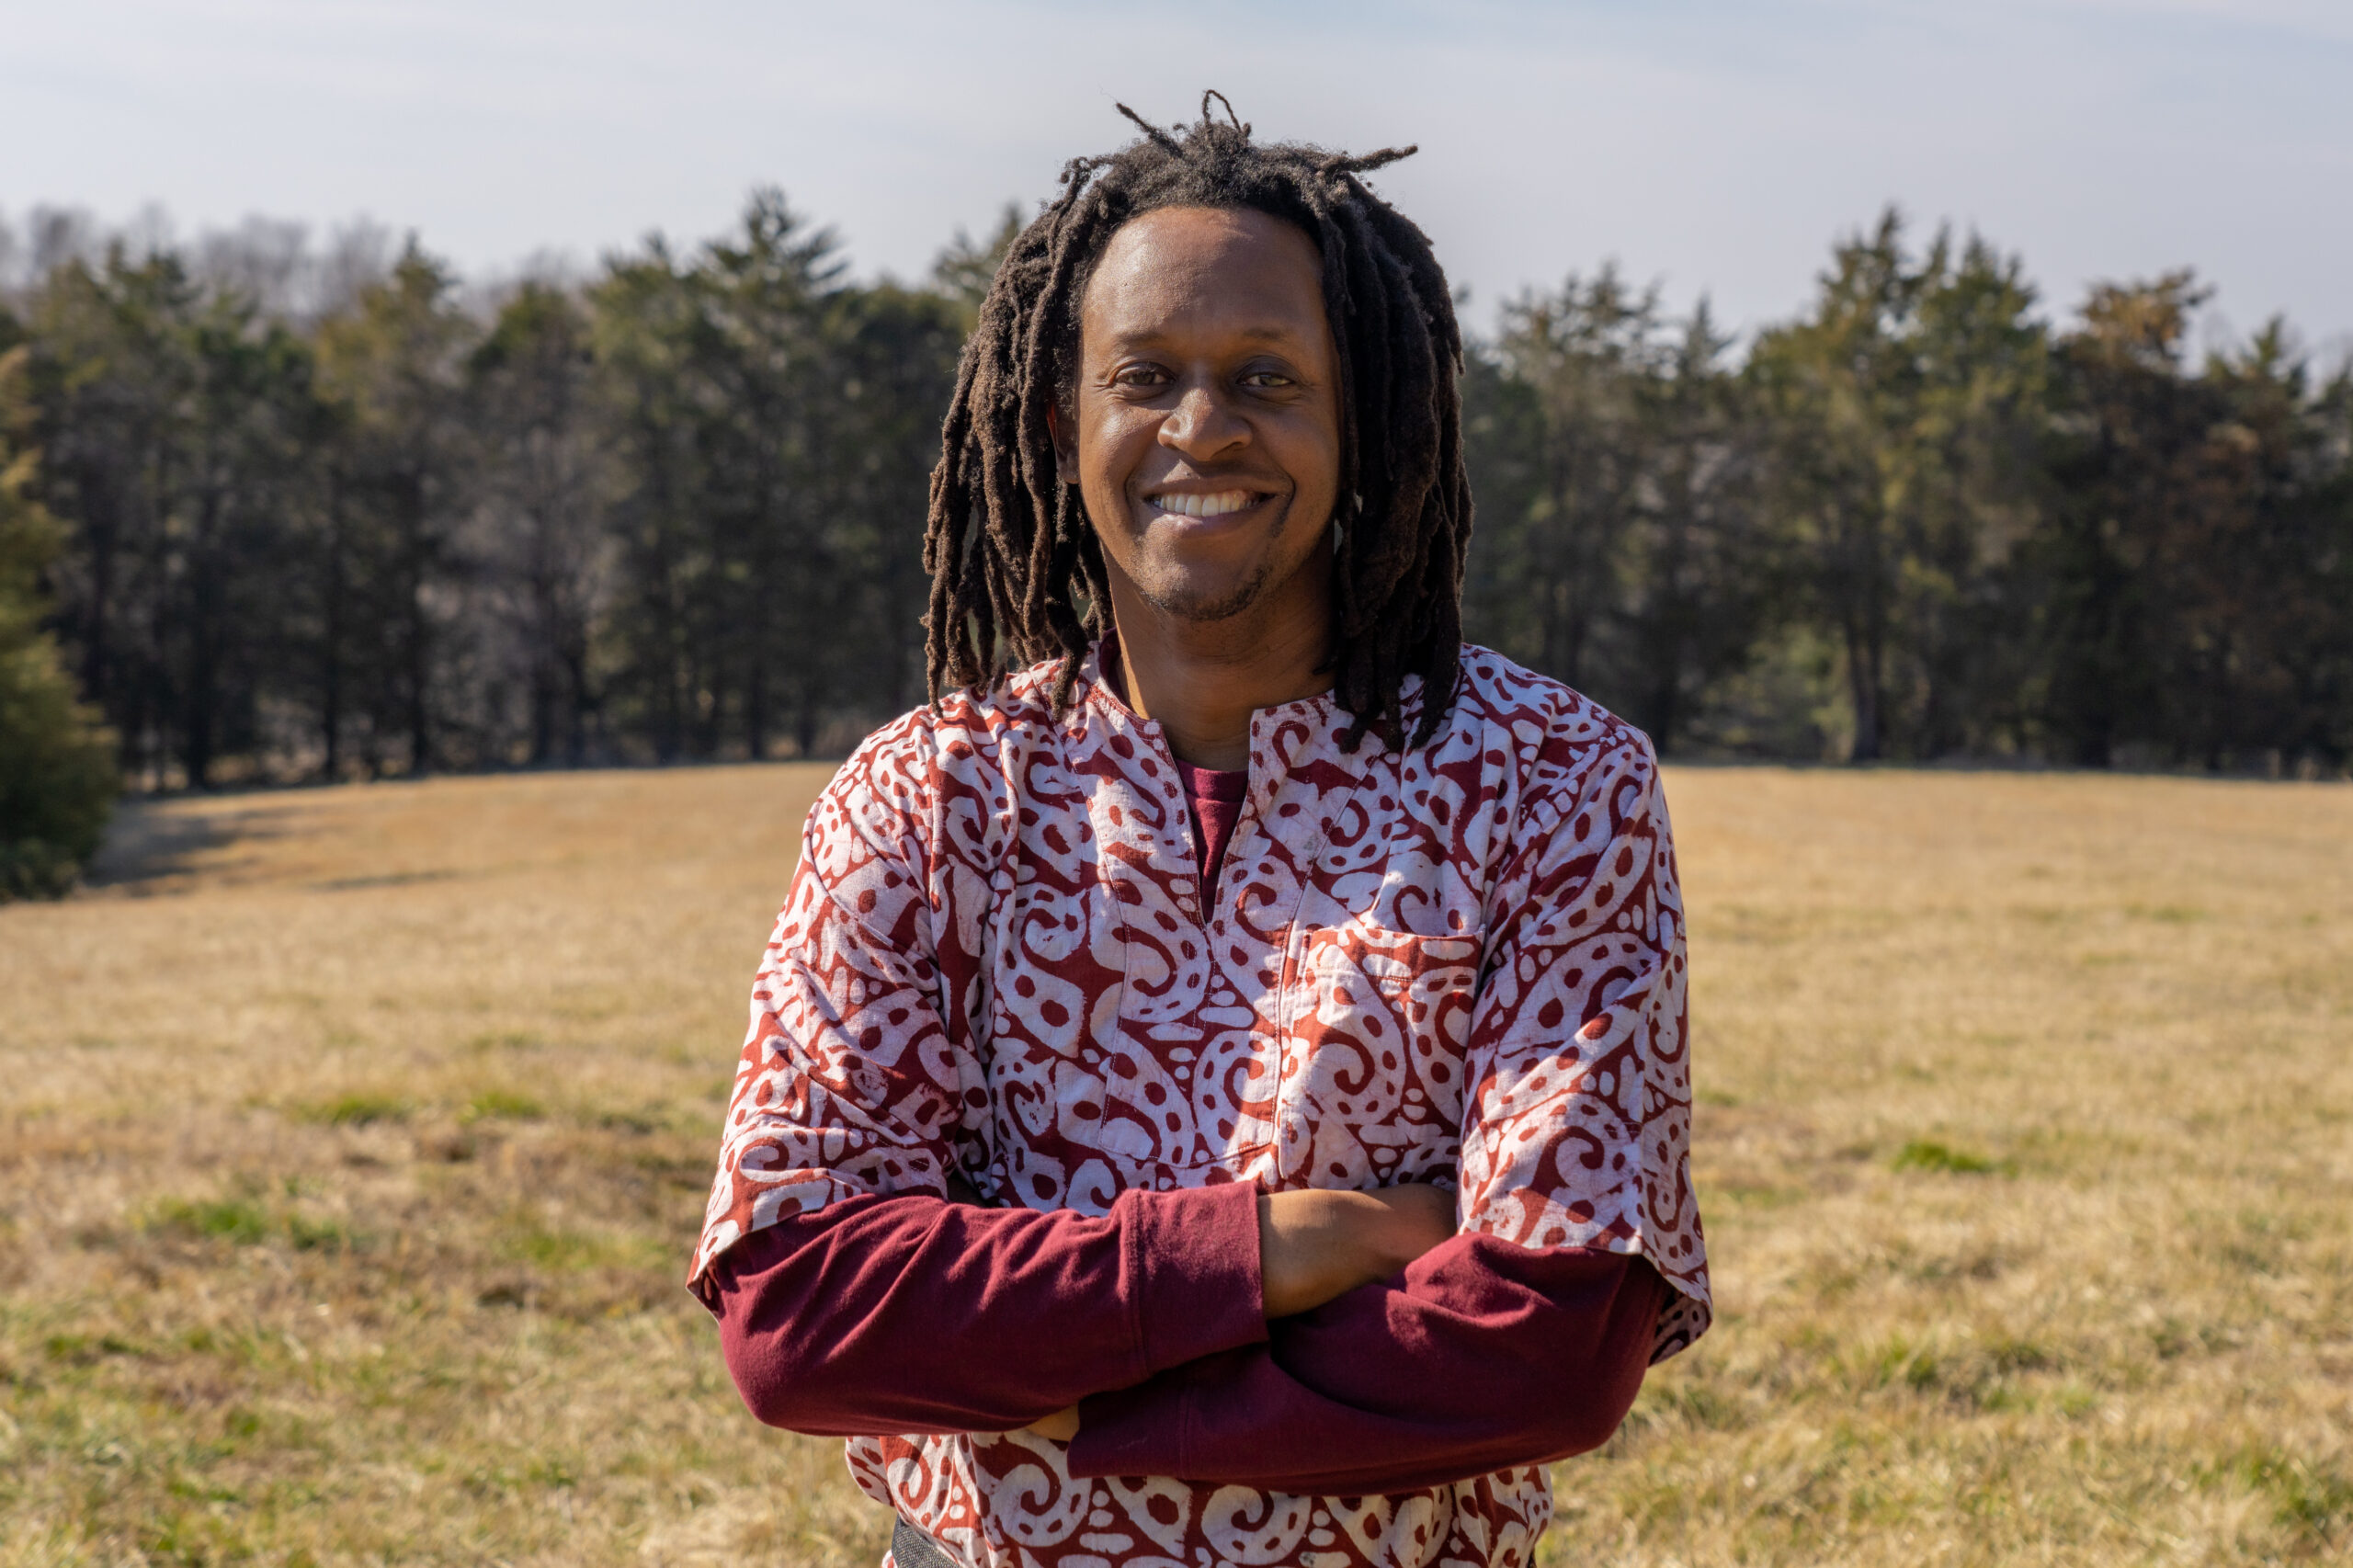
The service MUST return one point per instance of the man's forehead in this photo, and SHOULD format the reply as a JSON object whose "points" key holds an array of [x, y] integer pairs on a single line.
{"points": [[1244, 274]]}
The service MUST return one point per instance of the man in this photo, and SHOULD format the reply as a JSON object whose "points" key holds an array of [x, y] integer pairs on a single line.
{"points": [[1216, 1093]]}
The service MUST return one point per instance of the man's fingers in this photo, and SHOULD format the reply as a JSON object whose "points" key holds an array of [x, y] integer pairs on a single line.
{"points": [[1062, 1426]]}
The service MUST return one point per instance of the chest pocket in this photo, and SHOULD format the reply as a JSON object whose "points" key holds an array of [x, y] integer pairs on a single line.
{"points": [[1375, 1027]]}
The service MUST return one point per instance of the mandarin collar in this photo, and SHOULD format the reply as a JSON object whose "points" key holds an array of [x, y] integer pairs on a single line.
{"points": [[1093, 687], [1319, 715], [1284, 738]]}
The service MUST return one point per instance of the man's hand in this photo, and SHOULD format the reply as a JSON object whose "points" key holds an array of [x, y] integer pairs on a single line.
{"points": [[1315, 1246], [1062, 1426]]}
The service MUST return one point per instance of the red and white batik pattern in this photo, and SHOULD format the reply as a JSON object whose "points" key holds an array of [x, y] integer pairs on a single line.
{"points": [[1463, 964]]}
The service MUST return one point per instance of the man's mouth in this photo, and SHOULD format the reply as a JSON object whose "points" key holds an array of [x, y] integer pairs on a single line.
{"points": [[1216, 503]]}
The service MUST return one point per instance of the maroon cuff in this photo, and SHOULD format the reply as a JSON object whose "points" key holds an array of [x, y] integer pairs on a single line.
{"points": [[1479, 1356], [1197, 1258]]}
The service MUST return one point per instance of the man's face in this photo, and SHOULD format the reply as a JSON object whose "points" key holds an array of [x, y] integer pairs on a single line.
{"points": [[1206, 435]]}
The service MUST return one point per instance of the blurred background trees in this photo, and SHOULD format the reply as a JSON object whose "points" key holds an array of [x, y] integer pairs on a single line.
{"points": [[57, 774], [275, 512]]}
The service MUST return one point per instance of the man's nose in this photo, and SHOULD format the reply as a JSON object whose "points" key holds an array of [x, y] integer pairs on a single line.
{"points": [[1203, 423]]}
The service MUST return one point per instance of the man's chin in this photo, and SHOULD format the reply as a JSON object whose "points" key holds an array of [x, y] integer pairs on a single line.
{"points": [[1206, 603]]}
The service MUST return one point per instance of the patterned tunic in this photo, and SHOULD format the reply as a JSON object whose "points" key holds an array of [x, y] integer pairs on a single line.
{"points": [[1463, 964]]}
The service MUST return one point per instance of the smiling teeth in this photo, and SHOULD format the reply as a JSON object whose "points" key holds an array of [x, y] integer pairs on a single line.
{"points": [[1215, 506]]}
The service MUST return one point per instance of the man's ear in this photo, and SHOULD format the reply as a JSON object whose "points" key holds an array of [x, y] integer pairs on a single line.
{"points": [[1065, 446]]}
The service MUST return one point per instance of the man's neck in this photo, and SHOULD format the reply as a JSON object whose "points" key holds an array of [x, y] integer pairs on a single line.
{"points": [[1201, 681]]}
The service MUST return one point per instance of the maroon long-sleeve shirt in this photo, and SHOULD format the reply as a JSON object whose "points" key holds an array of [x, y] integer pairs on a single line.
{"points": [[888, 1316]]}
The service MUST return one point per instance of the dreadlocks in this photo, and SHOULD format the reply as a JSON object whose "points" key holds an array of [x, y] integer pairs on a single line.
{"points": [[1017, 574]]}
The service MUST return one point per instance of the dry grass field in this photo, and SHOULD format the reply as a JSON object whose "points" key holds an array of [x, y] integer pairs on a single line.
{"points": [[351, 1142]]}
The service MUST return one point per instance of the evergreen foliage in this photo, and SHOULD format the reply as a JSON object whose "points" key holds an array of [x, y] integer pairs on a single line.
{"points": [[331, 514], [57, 778]]}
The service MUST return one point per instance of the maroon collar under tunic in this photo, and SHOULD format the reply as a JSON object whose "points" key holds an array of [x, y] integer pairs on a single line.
{"points": [[1010, 958], [1216, 798]]}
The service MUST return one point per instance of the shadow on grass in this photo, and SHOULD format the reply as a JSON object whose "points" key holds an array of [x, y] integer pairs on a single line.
{"points": [[152, 848]]}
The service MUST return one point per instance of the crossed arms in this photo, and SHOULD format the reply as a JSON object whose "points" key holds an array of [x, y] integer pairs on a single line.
{"points": [[1329, 1341], [1321, 1342]]}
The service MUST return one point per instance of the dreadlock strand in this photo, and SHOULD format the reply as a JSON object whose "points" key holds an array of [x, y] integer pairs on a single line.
{"points": [[1365, 162], [1030, 446], [1401, 555], [1377, 564], [1331, 244], [1069, 630], [1232, 119], [1160, 137]]}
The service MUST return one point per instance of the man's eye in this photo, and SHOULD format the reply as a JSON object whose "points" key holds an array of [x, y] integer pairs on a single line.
{"points": [[1265, 379], [1139, 376]]}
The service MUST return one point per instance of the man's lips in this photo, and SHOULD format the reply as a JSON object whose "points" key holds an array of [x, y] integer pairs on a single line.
{"points": [[1206, 504]]}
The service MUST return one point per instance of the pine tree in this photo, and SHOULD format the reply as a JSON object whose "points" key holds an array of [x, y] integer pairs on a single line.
{"points": [[57, 775]]}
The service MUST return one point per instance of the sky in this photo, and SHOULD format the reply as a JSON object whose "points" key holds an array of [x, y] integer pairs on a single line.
{"points": [[1716, 147]]}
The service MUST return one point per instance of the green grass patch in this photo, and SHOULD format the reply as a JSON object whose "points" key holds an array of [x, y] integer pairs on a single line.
{"points": [[2313, 1500], [1915, 1367], [85, 1349], [500, 1105], [243, 1221], [317, 1235], [238, 1221], [1927, 1155], [355, 1111], [559, 1251], [2010, 1355]]}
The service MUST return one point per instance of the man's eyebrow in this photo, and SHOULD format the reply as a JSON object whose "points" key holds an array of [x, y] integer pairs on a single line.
{"points": [[1254, 334]]}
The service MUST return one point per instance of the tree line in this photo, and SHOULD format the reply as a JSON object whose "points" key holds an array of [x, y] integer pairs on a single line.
{"points": [[1920, 521], [282, 513], [332, 516]]}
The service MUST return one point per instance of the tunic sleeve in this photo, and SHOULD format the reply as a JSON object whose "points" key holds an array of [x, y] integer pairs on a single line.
{"points": [[865, 1302], [850, 1081], [1576, 1127]]}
